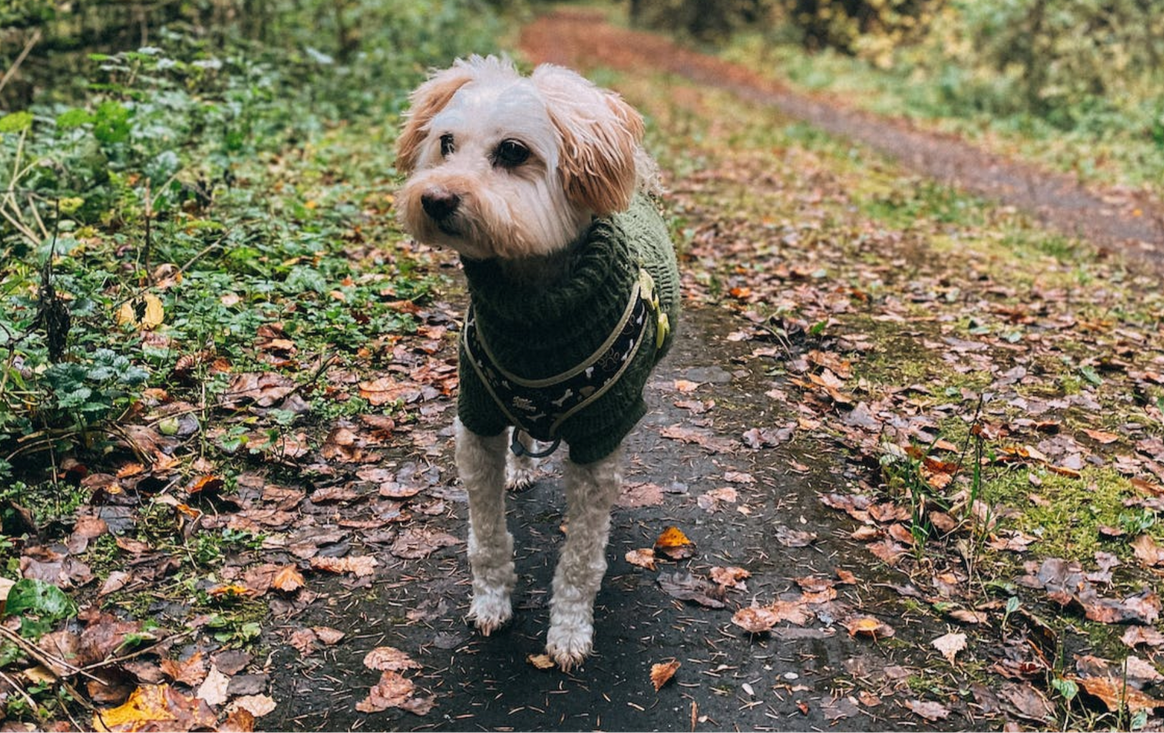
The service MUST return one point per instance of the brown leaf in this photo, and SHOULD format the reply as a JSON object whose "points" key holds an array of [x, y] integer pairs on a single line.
{"points": [[643, 558], [1101, 437], [387, 658], [392, 691], [358, 565], [638, 495], [931, 711], [794, 537], [541, 661], [755, 619], [288, 579], [661, 674], [1147, 551], [1115, 694], [213, 688], [415, 543], [1146, 635], [686, 587], [190, 672], [1028, 702], [328, 635], [730, 577]]}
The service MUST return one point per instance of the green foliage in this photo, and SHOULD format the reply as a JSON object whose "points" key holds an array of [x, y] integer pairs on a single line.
{"points": [[202, 154], [38, 605]]}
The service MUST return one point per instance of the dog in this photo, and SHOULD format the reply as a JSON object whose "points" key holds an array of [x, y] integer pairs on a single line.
{"points": [[542, 186]]}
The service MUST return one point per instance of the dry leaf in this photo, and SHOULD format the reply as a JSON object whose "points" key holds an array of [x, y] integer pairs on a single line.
{"points": [[931, 711], [869, 626], [644, 558], [387, 658], [288, 579], [213, 688], [950, 644], [731, 577], [392, 691], [755, 619], [686, 587], [156, 708], [541, 661], [358, 565], [1115, 694], [191, 672], [674, 544], [661, 674], [414, 543], [256, 705], [328, 635]]}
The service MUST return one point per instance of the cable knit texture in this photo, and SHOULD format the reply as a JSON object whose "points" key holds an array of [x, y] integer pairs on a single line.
{"points": [[540, 333]]}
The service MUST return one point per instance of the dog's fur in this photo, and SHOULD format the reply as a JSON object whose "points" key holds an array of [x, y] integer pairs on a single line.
{"points": [[466, 127]]}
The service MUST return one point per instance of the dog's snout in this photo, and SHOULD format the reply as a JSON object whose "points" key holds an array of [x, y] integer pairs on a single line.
{"points": [[439, 203]]}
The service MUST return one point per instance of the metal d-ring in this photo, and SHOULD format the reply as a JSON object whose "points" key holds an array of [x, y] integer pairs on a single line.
{"points": [[520, 450]]}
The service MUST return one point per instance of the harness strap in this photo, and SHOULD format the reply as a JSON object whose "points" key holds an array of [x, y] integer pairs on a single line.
{"points": [[538, 407]]}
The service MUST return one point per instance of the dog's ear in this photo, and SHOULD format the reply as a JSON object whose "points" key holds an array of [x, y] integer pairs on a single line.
{"points": [[599, 134], [425, 102]]}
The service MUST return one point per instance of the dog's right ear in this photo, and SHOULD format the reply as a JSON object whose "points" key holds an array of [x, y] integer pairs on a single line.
{"points": [[430, 98]]}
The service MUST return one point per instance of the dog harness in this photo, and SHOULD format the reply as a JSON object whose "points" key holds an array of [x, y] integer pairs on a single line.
{"points": [[538, 407], [570, 362]]}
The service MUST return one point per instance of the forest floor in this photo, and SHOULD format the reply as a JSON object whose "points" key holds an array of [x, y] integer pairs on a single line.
{"points": [[913, 429]]}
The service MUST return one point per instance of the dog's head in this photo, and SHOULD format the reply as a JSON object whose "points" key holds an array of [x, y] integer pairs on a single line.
{"points": [[501, 165]]}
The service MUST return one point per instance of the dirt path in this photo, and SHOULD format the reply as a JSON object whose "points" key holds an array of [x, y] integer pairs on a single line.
{"points": [[756, 509], [1107, 219]]}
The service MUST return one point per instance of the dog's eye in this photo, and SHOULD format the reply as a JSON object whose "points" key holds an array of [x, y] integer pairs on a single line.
{"points": [[447, 144], [510, 154]]}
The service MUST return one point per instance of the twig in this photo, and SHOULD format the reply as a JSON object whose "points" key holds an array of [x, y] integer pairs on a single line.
{"points": [[47, 661], [20, 59], [16, 686]]}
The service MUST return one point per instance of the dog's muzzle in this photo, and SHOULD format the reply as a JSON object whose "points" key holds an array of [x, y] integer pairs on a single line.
{"points": [[439, 204]]}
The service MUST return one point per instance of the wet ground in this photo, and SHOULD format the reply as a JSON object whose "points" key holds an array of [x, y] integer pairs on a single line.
{"points": [[793, 678]]}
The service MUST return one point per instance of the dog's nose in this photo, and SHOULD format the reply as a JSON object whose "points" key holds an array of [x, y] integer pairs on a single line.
{"points": [[439, 203]]}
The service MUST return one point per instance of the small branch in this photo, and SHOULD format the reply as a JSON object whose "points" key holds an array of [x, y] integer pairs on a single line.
{"points": [[20, 59]]}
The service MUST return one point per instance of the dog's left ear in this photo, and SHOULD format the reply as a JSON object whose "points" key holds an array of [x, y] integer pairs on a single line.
{"points": [[598, 133]]}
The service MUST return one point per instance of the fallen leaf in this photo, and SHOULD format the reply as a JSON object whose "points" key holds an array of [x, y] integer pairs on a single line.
{"points": [[389, 659], [686, 587], [755, 619], [869, 626], [1147, 551], [931, 711], [328, 635], [358, 565], [839, 708], [730, 577], [190, 672], [541, 661], [643, 558], [213, 688], [392, 691], [794, 537], [661, 674], [674, 544], [416, 543], [1146, 635], [1115, 694], [1028, 702], [156, 708], [950, 644], [638, 495], [288, 579], [256, 705]]}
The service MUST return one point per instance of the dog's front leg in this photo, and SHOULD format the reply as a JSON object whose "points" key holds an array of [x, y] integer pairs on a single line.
{"points": [[590, 492], [481, 464]]}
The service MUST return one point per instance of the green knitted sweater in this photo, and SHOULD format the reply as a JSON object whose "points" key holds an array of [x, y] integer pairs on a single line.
{"points": [[534, 337]]}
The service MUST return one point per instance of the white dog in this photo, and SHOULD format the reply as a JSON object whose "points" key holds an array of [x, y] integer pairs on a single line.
{"points": [[540, 183]]}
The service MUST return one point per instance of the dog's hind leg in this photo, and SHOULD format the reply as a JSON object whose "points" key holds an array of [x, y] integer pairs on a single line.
{"points": [[481, 463], [590, 491]]}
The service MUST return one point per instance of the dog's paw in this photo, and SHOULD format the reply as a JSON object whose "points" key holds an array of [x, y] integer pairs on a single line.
{"points": [[569, 644], [490, 610], [520, 478]]}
